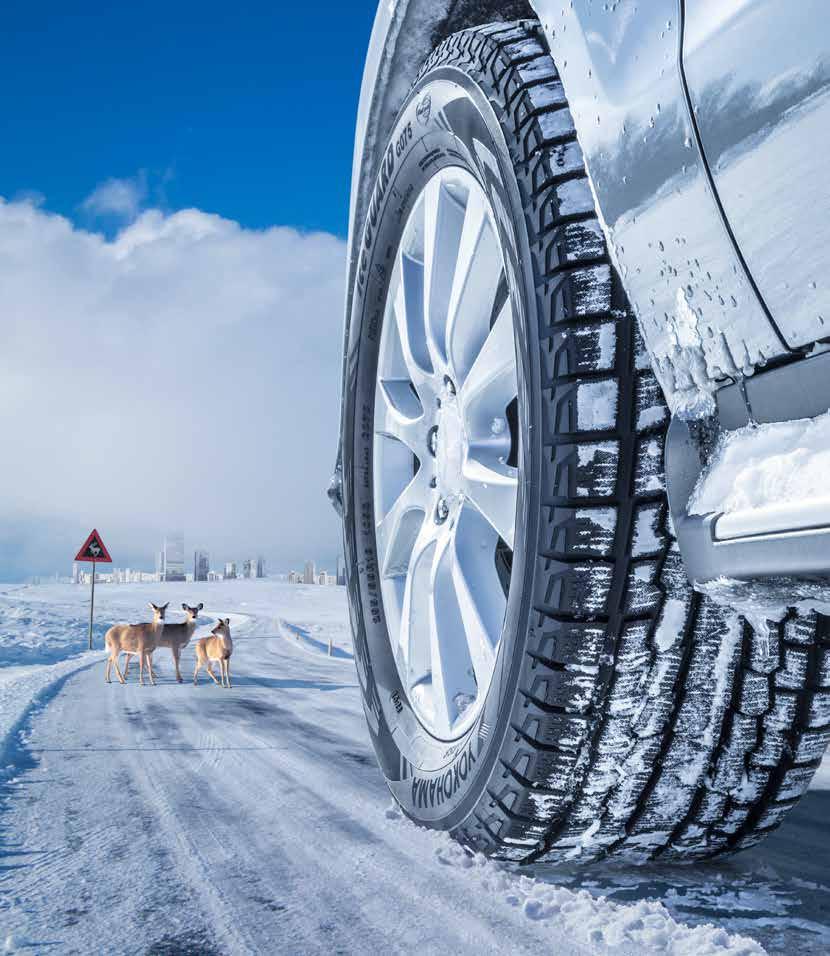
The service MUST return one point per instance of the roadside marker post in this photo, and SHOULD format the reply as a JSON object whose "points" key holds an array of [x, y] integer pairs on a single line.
{"points": [[93, 550]]}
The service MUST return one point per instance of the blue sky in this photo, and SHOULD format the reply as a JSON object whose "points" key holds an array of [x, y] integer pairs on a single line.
{"points": [[245, 109], [174, 182]]}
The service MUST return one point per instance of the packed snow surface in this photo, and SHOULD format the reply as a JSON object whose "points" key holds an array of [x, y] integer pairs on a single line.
{"points": [[759, 466], [182, 819]]}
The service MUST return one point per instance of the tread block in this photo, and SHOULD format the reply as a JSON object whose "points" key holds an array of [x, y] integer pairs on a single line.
{"points": [[811, 745], [584, 470], [573, 295], [793, 670], [649, 536], [584, 349], [587, 532], [649, 473], [541, 96], [795, 782], [819, 710], [551, 165], [573, 691], [642, 590], [565, 588], [651, 408], [755, 698], [565, 642], [823, 669]]}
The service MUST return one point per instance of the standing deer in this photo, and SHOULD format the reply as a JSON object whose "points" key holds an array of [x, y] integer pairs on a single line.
{"points": [[176, 637], [138, 639], [217, 647]]}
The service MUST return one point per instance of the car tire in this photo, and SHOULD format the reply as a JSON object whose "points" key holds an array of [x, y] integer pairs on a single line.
{"points": [[627, 714]]}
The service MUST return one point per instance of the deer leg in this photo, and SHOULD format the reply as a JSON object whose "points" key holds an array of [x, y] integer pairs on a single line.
{"points": [[177, 653], [150, 666], [228, 671], [127, 667], [212, 675], [109, 670], [196, 671], [141, 669], [117, 668]]}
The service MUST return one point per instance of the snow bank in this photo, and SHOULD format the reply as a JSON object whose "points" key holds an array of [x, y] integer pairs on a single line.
{"points": [[763, 465], [24, 690], [644, 926]]}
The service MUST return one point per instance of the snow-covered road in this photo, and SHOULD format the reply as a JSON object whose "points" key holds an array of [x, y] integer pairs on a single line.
{"points": [[182, 819]]}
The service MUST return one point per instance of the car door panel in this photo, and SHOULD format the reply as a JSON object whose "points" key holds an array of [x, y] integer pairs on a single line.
{"points": [[758, 74]]}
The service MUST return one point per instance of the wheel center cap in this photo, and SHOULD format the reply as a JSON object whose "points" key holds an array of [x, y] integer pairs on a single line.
{"points": [[449, 451]]}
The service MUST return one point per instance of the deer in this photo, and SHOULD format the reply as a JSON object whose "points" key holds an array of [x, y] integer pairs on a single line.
{"points": [[217, 647], [176, 637], [138, 639]]}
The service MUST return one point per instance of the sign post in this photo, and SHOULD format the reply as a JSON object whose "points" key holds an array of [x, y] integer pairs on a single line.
{"points": [[93, 550], [91, 606]]}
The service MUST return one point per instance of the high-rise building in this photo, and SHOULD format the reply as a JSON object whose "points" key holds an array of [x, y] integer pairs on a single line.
{"points": [[260, 567], [308, 576], [249, 568], [201, 565], [173, 557], [341, 570], [230, 570]]}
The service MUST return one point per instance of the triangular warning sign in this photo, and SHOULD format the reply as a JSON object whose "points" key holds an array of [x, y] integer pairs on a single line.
{"points": [[94, 549]]}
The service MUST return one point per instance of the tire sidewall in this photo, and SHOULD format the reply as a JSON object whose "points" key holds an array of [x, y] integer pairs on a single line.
{"points": [[446, 121]]}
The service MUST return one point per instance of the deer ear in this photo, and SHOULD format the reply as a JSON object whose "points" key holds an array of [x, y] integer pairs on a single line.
{"points": [[200, 605], [228, 621], [184, 607], [150, 603], [164, 608]]}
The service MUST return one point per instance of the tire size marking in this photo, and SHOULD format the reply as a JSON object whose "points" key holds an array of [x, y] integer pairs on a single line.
{"points": [[403, 140]]}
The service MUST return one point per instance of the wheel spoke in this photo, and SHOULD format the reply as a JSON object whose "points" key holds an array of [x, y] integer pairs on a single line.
{"points": [[477, 591], [397, 418], [410, 319], [399, 528], [493, 488], [452, 680], [444, 216], [416, 615], [478, 272], [492, 382]]}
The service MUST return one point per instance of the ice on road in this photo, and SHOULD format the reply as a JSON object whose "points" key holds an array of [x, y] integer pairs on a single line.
{"points": [[182, 819]]}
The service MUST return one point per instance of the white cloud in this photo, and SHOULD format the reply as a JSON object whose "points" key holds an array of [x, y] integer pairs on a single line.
{"points": [[184, 374], [118, 198]]}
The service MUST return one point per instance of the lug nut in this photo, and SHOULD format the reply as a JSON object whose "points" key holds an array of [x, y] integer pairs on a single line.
{"points": [[432, 440], [442, 511]]}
